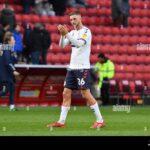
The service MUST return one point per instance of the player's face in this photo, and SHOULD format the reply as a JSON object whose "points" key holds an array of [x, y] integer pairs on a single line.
{"points": [[75, 20]]}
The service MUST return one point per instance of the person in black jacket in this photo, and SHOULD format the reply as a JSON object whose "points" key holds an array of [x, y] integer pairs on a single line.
{"points": [[46, 43], [27, 43], [36, 37], [7, 69], [120, 12], [8, 17], [3, 30]]}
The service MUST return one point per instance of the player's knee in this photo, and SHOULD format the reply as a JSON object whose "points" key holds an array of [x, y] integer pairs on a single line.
{"points": [[66, 94], [84, 94]]}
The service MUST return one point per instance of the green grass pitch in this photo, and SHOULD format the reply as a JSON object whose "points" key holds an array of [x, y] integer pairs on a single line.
{"points": [[33, 122]]}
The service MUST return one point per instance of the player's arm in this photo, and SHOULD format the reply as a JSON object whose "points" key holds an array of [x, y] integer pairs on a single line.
{"points": [[63, 42], [76, 42], [82, 40], [8, 63]]}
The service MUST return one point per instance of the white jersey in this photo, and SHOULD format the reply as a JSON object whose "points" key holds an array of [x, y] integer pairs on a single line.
{"points": [[80, 41]]}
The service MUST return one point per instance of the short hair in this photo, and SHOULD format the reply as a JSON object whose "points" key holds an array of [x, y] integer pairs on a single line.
{"points": [[7, 37], [101, 55], [75, 13]]}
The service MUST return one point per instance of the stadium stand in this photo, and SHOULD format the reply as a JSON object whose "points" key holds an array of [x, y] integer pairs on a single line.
{"points": [[122, 45]]}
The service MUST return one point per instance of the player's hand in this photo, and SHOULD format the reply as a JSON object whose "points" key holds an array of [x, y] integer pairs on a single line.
{"points": [[65, 29], [59, 27], [62, 29], [16, 73]]}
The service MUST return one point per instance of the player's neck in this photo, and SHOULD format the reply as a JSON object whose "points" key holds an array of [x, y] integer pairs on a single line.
{"points": [[80, 26]]}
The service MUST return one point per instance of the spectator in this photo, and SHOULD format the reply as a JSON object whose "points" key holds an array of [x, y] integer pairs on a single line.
{"points": [[48, 8], [46, 43], [120, 12], [8, 71], [42, 7], [59, 6], [27, 43], [105, 70], [8, 17], [18, 48], [37, 43], [77, 3], [3, 30], [27, 6]]}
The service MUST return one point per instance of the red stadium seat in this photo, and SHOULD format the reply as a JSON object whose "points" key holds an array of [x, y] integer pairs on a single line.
{"points": [[96, 49], [115, 40], [114, 49], [131, 50], [133, 40], [143, 21], [44, 19], [35, 18], [18, 18], [51, 28], [139, 68], [115, 31], [55, 48], [119, 76], [113, 90], [122, 50], [119, 68], [135, 12], [138, 76], [146, 77], [140, 59], [97, 39], [131, 59], [92, 3], [64, 19], [134, 21], [122, 59], [26, 18], [64, 58], [146, 68], [123, 31], [129, 68], [54, 20], [147, 58], [93, 58], [124, 90], [91, 11], [124, 39], [105, 48], [18, 8], [106, 39], [55, 37], [106, 30]]}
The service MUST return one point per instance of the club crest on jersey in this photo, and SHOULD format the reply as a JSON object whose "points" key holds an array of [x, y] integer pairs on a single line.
{"points": [[84, 36]]}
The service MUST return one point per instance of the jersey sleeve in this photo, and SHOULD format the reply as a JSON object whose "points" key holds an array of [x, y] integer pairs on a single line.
{"points": [[85, 35], [82, 40], [63, 42]]}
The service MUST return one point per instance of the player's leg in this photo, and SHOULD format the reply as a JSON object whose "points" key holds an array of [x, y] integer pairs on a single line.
{"points": [[69, 84], [65, 105], [94, 107], [83, 77], [12, 96], [4, 89]]}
